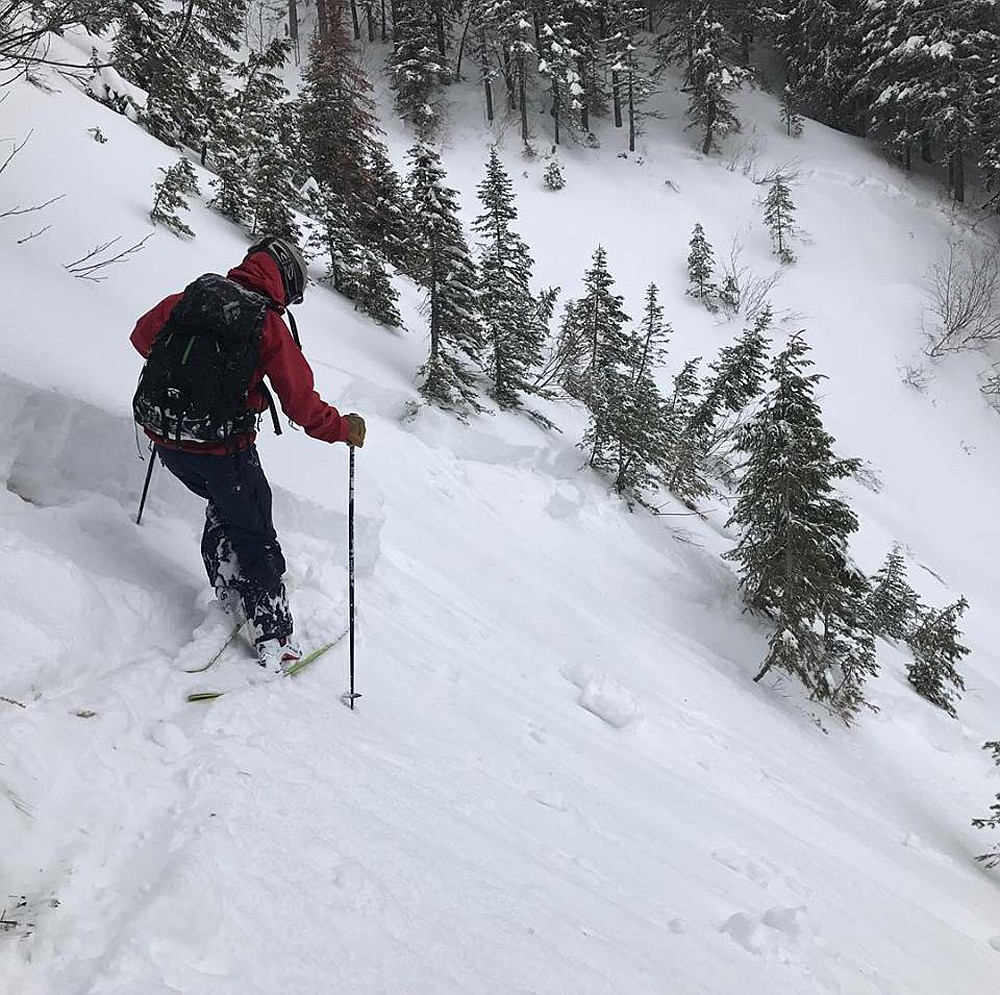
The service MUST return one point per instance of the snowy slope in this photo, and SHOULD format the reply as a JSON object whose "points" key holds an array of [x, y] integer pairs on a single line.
{"points": [[560, 777]]}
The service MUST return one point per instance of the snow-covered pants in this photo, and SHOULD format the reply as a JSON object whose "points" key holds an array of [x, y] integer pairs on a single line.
{"points": [[239, 545]]}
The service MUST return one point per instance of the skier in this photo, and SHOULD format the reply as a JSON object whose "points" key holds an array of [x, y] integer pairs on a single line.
{"points": [[199, 398]]}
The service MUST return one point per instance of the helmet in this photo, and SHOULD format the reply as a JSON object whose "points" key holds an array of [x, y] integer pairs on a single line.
{"points": [[291, 265]]}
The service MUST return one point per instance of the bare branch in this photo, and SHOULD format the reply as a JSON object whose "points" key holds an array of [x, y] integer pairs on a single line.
{"points": [[88, 267], [34, 234]]}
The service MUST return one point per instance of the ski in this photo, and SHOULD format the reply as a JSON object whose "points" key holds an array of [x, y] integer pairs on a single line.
{"points": [[298, 666], [222, 649]]}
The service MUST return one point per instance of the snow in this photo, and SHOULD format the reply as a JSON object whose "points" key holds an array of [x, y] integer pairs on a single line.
{"points": [[561, 777]]}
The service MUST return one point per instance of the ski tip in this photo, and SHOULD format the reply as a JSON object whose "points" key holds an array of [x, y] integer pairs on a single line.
{"points": [[204, 696]]}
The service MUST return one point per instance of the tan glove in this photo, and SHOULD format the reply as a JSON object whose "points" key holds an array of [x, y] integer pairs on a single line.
{"points": [[355, 430]]}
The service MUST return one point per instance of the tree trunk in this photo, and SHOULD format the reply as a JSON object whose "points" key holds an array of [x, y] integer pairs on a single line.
{"points": [[706, 146], [631, 112], [584, 110], [555, 111], [484, 62], [926, 151], [508, 78], [461, 49], [322, 24], [354, 20], [956, 166], [385, 26], [522, 86], [745, 39], [186, 26], [616, 97], [439, 30], [293, 22]]}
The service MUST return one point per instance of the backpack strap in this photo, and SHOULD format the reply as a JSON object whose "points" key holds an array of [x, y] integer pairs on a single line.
{"points": [[269, 397]]}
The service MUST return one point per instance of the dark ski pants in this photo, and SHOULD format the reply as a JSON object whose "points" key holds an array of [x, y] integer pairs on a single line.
{"points": [[239, 545]]}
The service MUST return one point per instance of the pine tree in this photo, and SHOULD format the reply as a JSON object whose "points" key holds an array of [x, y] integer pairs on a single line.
{"points": [[331, 234], [170, 196], [555, 64], [700, 263], [681, 467], [553, 177], [508, 308], [849, 647], [779, 216], [695, 35], [416, 68], [820, 42], [337, 118], [992, 858], [256, 156], [449, 275], [792, 550], [638, 424], [631, 81], [355, 270], [376, 295], [936, 650], [790, 116], [893, 604], [166, 51], [384, 220], [503, 45], [737, 378], [931, 65], [592, 331]]}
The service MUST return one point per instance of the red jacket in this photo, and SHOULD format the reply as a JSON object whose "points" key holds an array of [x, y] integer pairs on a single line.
{"points": [[281, 361]]}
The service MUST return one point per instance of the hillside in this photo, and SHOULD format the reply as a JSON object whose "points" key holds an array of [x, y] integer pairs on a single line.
{"points": [[561, 777]]}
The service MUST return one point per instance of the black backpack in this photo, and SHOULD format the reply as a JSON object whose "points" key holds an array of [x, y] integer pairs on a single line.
{"points": [[194, 385]]}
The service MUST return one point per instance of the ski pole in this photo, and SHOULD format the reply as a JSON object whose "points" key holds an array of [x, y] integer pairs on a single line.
{"points": [[349, 696], [145, 487]]}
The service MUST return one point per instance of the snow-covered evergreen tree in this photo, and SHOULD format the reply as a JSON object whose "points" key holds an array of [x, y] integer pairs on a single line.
{"points": [[638, 424], [416, 68], [166, 50], [737, 378], [553, 177], [631, 79], [893, 605], [384, 219], [592, 330], [791, 119], [700, 265], [447, 271], [927, 67], [936, 650], [820, 42], [170, 196], [509, 310], [992, 857], [779, 216], [504, 45], [558, 64], [792, 550], [695, 36], [256, 156]]}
